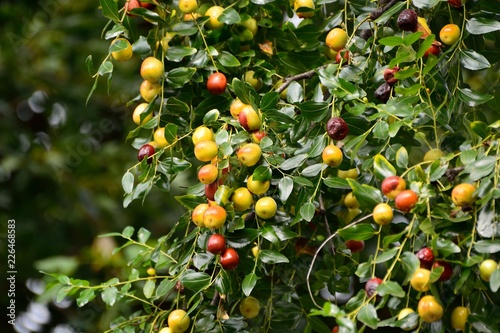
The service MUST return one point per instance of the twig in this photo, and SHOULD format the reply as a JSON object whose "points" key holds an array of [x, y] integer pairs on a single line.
{"points": [[290, 79], [453, 172], [319, 249]]}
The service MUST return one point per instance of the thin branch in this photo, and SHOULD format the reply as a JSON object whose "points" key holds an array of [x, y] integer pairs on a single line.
{"points": [[319, 249], [290, 79]]}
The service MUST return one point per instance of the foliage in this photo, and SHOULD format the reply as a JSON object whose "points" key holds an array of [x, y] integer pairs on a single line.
{"points": [[304, 276]]}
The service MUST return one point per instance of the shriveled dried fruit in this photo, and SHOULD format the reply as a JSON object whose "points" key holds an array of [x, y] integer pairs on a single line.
{"points": [[426, 257], [383, 92], [389, 75], [337, 128], [408, 20]]}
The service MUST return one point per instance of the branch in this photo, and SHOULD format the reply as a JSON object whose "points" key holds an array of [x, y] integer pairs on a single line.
{"points": [[319, 249], [453, 172], [379, 11], [290, 79]]}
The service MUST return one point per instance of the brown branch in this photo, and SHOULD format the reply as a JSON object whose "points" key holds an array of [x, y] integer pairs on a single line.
{"points": [[290, 79]]}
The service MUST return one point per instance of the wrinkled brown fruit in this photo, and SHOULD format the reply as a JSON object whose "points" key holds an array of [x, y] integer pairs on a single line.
{"points": [[389, 75], [426, 257], [337, 128], [383, 92], [407, 20]]}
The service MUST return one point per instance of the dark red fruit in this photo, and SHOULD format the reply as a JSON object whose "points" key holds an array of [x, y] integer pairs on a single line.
{"points": [[366, 34], [146, 151], [335, 329], [371, 286], [434, 49], [337, 128], [455, 3], [426, 257], [408, 20], [448, 271], [389, 75], [355, 245], [217, 83], [210, 190], [229, 259], [342, 57], [383, 92], [216, 244]]}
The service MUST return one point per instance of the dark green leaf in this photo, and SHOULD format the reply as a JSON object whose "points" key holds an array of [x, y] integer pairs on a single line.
{"points": [[307, 211], [177, 53], [179, 76], [482, 25], [487, 246], [229, 16], [249, 283], [358, 232], [391, 288], [368, 316], [262, 173], [472, 98], [293, 162], [481, 167], [195, 281], [367, 196], [228, 60], [165, 286], [110, 9], [313, 111], [472, 60], [190, 201], [272, 257], [336, 182]]}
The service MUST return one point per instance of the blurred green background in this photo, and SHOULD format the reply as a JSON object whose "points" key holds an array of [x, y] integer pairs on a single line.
{"points": [[61, 161]]}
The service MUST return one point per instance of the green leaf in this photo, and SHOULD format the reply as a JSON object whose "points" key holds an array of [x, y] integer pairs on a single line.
{"points": [[109, 295], [195, 281], [85, 296], [437, 170], [313, 111], [445, 247], [313, 170], [402, 158], [294, 162], [148, 14], [165, 286], [128, 182], [472, 98], [249, 283], [368, 316], [285, 187], [495, 280], [336, 182], [128, 232], [149, 288], [367, 196], [269, 101], [190, 201], [391, 41], [178, 53], [110, 9], [425, 4], [105, 68], [246, 93], [487, 246], [481, 167], [90, 65], [229, 16], [357, 232], [482, 25], [382, 167], [386, 255], [272, 257], [391, 288], [262, 173], [143, 235], [472, 60], [179, 76], [176, 106], [307, 211], [228, 60]]}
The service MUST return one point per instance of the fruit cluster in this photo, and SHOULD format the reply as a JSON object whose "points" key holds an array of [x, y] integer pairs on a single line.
{"points": [[325, 144]]}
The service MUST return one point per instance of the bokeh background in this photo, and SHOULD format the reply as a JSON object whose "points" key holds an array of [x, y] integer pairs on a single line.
{"points": [[62, 159]]}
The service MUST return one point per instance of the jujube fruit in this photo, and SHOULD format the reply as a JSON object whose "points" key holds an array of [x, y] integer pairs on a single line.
{"points": [[216, 83], [383, 214], [426, 257], [249, 307], [332, 155], [229, 259], [420, 280], [336, 39], [463, 194], [449, 34], [146, 151], [337, 128], [383, 92], [407, 20], [214, 217], [178, 321], [371, 286], [406, 200], [216, 244], [392, 185], [429, 309], [459, 317]]}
